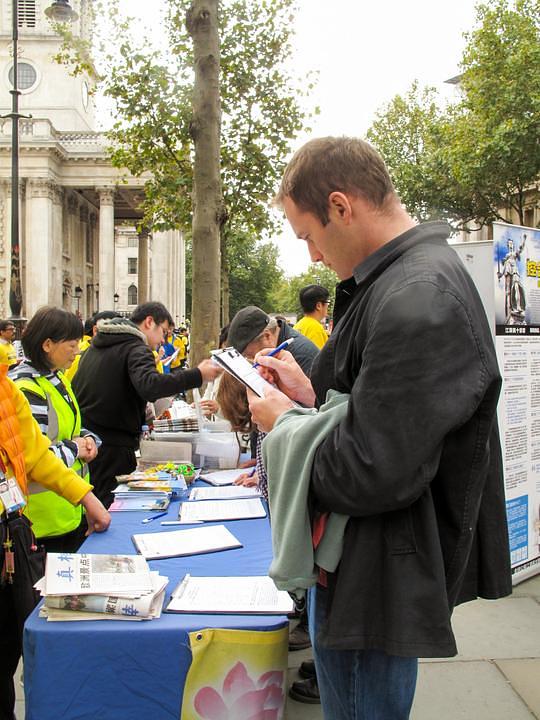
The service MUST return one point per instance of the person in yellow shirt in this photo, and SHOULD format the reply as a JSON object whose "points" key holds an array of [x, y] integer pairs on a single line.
{"points": [[7, 334], [314, 300], [25, 459], [181, 343]]}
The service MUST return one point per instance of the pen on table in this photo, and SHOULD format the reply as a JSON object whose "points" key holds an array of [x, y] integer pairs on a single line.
{"points": [[279, 348], [154, 517]]}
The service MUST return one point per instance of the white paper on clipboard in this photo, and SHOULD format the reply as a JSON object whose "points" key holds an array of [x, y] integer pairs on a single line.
{"points": [[240, 368]]}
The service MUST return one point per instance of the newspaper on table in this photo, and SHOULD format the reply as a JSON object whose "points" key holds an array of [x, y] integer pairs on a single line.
{"points": [[115, 586]]}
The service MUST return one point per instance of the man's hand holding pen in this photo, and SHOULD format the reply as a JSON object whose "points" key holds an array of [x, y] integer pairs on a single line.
{"points": [[284, 372]]}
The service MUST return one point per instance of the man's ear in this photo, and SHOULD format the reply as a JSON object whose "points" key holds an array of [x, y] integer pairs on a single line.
{"points": [[339, 206], [148, 322]]}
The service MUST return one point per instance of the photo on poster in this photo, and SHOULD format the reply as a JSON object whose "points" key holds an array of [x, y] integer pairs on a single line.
{"points": [[516, 252]]}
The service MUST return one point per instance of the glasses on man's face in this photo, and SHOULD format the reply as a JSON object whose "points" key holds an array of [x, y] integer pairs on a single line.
{"points": [[164, 329]]}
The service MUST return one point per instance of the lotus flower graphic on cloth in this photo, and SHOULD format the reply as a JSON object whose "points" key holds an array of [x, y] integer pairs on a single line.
{"points": [[242, 698]]}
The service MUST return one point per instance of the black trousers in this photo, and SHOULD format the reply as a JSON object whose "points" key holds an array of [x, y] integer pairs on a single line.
{"points": [[17, 600], [68, 543], [111, 461]]}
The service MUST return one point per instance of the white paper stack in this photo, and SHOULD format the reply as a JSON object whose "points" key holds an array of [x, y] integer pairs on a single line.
{"points": [[225, 492], [243, 595], [80, 586], [217, 510]]}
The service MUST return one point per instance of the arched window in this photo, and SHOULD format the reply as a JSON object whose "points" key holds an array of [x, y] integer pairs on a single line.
{"points": [[132, 295]]}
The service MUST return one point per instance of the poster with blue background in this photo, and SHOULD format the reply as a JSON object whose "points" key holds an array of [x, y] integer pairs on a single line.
{"points": [[516, 252]]}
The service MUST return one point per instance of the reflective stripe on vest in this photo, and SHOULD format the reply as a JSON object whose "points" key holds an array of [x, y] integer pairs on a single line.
{"points": [[50, 514]]}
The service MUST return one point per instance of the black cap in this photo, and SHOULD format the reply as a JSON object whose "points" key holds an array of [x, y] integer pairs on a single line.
{"points": [[245, 326]]}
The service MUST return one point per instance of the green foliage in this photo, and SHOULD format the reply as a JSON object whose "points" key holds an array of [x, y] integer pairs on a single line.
{"points": [[254, 276], [151, 91], [478, 158], [285, 297], [262, 113], [406, 133]]}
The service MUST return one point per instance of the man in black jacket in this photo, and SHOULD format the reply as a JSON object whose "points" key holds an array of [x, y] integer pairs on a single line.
{"points": [[416, 463], [117, 376]]}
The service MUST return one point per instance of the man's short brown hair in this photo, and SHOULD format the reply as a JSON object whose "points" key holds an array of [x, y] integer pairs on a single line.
{"points": [[335, 164]]}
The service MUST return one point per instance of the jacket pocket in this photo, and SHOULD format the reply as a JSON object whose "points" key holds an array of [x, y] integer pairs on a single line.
{"points": [[399, 532]]}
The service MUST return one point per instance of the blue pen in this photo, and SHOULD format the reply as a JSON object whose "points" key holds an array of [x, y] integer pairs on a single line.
{"points": [[279, 348], [252, 472], [154, 517]]}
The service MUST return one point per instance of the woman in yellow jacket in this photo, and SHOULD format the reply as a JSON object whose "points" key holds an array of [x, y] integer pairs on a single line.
{"points": [[50, 343], [26, 460]]}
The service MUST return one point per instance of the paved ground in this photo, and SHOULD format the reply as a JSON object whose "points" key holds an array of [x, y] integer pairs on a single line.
{"points": [[496, 676]]}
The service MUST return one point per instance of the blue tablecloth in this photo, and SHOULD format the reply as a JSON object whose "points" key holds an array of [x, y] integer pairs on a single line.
{"points": [[120, 670]]}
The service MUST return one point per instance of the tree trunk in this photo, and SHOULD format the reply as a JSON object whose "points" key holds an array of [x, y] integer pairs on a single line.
{"points": [[202, 24], [224, 280]]}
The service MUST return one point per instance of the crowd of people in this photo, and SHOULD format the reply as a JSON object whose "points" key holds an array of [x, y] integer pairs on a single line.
{"points": [[411, 462], [70, 420]]}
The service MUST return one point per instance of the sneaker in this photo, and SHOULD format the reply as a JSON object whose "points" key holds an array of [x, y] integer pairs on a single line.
{"points": [[307, 669], [305, 691], [299, 638]]}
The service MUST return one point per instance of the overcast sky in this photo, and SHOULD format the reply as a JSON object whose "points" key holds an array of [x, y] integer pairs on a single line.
{"points": [[365, 53]]}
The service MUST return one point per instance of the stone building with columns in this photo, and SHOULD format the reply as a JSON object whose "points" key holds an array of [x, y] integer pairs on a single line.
{"points": [[78, 214]]}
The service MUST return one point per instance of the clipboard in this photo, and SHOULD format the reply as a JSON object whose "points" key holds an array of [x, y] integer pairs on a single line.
{"points": [[236, 365]]}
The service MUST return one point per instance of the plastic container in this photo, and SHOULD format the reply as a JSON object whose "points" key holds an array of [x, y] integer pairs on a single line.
{"points": [[213, 450]]}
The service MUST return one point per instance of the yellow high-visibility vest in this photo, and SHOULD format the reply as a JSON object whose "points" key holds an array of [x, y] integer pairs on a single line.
{"points": [[50, 514]]}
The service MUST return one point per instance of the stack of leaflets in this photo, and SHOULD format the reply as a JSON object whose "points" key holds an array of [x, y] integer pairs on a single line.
{"points": [[79, 586], [180, 417], [128, 499], [190, 424], [171, 481]]}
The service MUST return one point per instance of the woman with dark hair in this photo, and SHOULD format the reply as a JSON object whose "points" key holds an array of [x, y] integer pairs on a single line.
{"points": [[51, 343]]}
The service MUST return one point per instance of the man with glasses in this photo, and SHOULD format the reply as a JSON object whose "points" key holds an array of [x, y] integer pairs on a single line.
{"points": [[314, 300], [7, 334], [117, 376]]}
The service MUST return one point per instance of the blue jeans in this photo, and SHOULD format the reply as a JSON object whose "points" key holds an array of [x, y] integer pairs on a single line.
{"points": [[359, 684]]}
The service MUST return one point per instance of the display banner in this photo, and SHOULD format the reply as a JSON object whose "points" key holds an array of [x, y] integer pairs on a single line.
{"points": [[516, 259], [236, 674]]}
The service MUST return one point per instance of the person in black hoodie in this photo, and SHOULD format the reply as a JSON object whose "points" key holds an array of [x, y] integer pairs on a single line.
{"points": [[117, 376]]}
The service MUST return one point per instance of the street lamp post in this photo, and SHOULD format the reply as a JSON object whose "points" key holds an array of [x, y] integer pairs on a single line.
{"points": [[77, 294], [59, 11]]}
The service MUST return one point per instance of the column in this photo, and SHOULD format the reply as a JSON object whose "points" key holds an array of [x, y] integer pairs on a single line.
{"points": [[39, 223], [106, 248], [181, 274], [55, 279], [83, 254], [160, 268], [144, 268]]}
